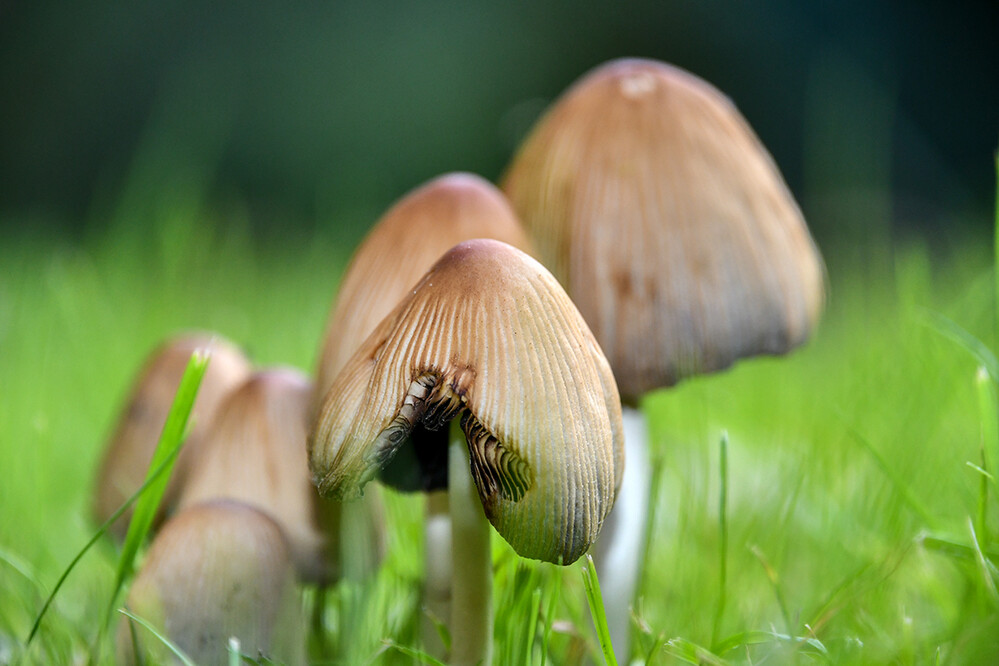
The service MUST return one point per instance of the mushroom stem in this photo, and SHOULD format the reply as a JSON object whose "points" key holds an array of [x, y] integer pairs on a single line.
{"points": [[471, 606], [619, 550], [437, 585]]}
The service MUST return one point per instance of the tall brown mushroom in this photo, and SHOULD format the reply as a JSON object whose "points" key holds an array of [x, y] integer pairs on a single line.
{"points": [[126, 460], [398, 251], [215, 571], [670, 226], [487, 339]]}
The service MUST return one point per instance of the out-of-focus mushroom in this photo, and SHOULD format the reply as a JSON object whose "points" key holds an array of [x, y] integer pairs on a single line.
{"points": [[669, 224], [215, 571], [398, 251], [126, 459], [254, 451], [487, 339], [400, 248]]}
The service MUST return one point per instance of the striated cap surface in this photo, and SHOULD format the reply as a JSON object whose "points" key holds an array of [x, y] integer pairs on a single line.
{"points": [[487, 336], [214, 571], [655, 204]]}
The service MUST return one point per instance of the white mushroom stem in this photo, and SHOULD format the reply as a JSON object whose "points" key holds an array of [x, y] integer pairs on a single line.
{"points": [[621, 545], [437, 584], [471, 557]]}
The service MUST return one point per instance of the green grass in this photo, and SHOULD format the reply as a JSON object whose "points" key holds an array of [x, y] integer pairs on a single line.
{"points": [[860, 517]]}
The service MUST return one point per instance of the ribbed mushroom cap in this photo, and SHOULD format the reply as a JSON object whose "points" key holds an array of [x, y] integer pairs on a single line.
{"points": [[400, 248], [668, 222], [127, 457], [214, 571], [254, 451], [490, 337]]}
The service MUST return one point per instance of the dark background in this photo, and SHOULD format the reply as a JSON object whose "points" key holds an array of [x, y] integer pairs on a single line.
{"points": [[317, 115]]}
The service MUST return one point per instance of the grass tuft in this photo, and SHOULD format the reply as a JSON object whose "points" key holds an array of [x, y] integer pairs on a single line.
{"points": [[596, 602]]}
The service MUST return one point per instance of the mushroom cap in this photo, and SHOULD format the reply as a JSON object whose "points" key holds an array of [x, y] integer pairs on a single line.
{"points": [[254, 451], [126, 460], [669, 224], [400, 248], [217, 570], [490, 337]]}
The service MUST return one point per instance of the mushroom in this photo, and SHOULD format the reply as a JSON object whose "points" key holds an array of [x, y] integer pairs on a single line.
{"points": [[488, 340], [400, 248], [254, 451], [126, 459], [215, 571], [669, 225]]}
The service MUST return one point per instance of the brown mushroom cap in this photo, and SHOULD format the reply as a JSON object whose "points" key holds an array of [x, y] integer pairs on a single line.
{"points": [[127, 457], [214, 571], [668, 222], [490, 337], [400, 248], [254, 451]]}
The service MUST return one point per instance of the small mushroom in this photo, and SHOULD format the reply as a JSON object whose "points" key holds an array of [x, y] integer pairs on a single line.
{"points": [[254, 451], [669, 224], [215, 571], [126, 459], [488, 340]]}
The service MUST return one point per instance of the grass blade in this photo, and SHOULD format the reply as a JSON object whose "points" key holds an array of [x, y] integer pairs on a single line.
{"points": [[903, 488], [419, 655], [692, 653], [723, 536], [235, 655], [155, 483], [532, 625], [953, 331], [953, 547], [774, 578], [555, 591], [995, 247], [986, 568], [596, 601], [94, 539], [166, 452], [987, 408], [184, 659]]}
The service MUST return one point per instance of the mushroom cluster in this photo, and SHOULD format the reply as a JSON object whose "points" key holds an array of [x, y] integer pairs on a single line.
{"points": [[242, 471], [456, 364]]}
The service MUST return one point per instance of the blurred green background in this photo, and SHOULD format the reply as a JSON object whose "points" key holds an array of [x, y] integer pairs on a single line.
{"points": [[315, 116], [182, 164]]}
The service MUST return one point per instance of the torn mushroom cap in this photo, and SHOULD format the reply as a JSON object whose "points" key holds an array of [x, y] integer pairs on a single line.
{"points": [[216, 570], [668, 222], [488, 336], [254, 451], [401, 247], [127, 457]]}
